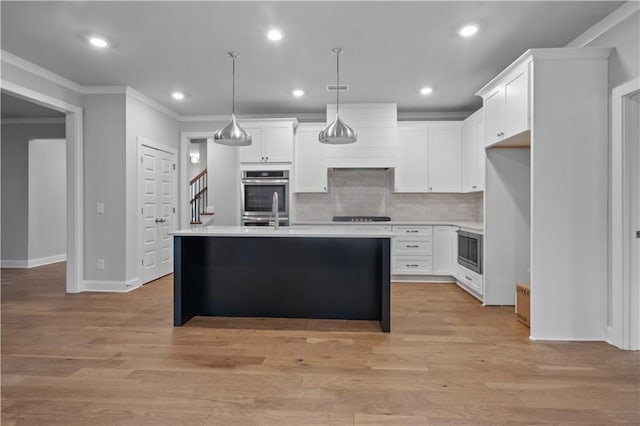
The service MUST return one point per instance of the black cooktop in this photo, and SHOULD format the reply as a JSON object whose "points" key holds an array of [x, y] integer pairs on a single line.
{"points": [[361, 219]]}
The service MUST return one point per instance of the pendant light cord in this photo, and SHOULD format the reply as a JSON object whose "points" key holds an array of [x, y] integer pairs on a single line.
{"points": [[338, 83], [233, 89]]}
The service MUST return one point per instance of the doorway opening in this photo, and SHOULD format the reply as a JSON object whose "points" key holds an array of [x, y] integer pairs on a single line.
{"points": [[34, 184], [624, 291]]}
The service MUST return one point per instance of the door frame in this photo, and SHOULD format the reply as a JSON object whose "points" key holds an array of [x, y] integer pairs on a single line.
{"points": [[75, 177], [142, 141], [623, 331]]}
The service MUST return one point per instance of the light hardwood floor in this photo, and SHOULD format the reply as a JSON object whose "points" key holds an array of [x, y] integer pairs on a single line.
{"points": [[116, 359]]}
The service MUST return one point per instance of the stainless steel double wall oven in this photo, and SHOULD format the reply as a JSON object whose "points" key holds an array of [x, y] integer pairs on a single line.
{"points": [[258, 187]]}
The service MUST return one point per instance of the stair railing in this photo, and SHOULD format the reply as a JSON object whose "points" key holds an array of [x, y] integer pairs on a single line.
{"points": [[198, 191]]}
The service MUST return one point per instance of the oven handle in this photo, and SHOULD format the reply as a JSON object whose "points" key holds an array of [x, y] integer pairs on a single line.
{"points": [[265, 181]]}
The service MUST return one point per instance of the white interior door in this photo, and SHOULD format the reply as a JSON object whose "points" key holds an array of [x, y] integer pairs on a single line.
{"points": [[633, 139], [157, 200]]}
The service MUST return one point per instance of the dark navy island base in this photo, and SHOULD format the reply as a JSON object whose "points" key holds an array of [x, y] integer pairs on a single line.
{"points": [[288, 277]]}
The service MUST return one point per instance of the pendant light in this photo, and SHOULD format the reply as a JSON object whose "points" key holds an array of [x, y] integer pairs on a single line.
{"points": [[337, 132], [232, 134]]}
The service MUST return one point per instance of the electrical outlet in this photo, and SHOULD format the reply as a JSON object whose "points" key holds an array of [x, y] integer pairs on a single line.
{"points": [[100, 208], [100, 264]]}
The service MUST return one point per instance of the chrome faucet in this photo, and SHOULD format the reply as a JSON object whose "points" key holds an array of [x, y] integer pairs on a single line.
{"points": [[275, 211]]}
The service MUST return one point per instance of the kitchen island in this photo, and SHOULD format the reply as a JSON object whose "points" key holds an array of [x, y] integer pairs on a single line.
{"points": [[292, 272]]}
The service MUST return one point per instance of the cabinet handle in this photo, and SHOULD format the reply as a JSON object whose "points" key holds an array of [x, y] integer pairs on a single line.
{"points": [[430, 188], [261, 158], [411, 266], [412, 246], [470, 279], [498, 134], [411, 231], [266, 158], [474, 186], [324, 188]]}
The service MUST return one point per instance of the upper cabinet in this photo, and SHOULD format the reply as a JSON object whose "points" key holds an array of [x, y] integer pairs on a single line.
{"points": [[429, 157], [445, 157], [411, 169], [272, 141], [473, 154], [310, 169], [506, 105]]}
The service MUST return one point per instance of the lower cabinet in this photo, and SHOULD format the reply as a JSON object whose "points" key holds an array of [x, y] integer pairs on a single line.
{"points": [[470, 280], [422, 250]]}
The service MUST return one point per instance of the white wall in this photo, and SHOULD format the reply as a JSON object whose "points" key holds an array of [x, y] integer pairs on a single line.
{"points": [[47, 241], [624, 65], [224, 183], [14, 174], [144, 121], [104, 168]]}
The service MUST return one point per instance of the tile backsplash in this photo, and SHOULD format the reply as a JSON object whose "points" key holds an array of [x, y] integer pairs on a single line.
{"points": [[370, 193]]}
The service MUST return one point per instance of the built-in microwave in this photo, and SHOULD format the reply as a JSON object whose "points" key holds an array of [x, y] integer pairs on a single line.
{"points": [[258, 187], [470, 251]]}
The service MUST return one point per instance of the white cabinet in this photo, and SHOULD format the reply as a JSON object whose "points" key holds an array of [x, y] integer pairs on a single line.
{"points": [[310, 169], [423, 250], [470, 280], [473, 154], [411, 169], [253, 153], [429, 157], [411, 250], [443, 250], [506, 106], [445, 158], [272, 141]]}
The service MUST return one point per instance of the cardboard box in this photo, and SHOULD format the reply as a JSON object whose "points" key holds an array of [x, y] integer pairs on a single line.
{"points": [[523, 303]]}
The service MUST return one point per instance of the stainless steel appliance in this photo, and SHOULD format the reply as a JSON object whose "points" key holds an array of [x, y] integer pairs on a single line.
{"points": [[258, 187], [470, 251]]}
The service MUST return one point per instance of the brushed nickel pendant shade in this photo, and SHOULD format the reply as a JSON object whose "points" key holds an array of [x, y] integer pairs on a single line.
{"points": [[337, 132], [232, 134]]}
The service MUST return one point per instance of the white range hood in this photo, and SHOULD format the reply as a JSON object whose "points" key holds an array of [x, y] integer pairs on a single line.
{"points": [[376, 125]]}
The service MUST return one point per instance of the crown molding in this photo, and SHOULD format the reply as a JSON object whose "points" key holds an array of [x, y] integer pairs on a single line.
{"points": [[104, 90], [150, 102], [605, 24], [25, 65], [33, 120]]}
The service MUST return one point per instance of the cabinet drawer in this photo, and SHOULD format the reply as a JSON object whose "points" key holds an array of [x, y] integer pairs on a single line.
{"points": [[470, 278], [413, 230], [412, 265], [408, 246]]}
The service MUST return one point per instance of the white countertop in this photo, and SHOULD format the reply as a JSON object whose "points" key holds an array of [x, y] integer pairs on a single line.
{"points": [[284, 231], [470, 226]]}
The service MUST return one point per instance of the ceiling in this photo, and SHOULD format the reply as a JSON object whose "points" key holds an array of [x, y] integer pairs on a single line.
{"points": [[391, 49], [12, 107]]}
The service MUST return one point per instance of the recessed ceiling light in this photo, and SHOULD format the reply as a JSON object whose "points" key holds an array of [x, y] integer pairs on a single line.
{"points": [[177, 96], [274, 35], [468, 30], [98, 42], [426, 90], [298, 92]]}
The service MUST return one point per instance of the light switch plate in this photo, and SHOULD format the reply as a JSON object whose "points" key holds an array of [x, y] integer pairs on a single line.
{"points": [[100, 264], [100, 208]]}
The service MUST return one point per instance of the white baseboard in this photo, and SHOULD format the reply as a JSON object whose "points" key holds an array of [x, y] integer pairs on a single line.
{"points": [[14, 263], [567, 339], [111, 286], [422, 279], [32, 263], [46, 260]]}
